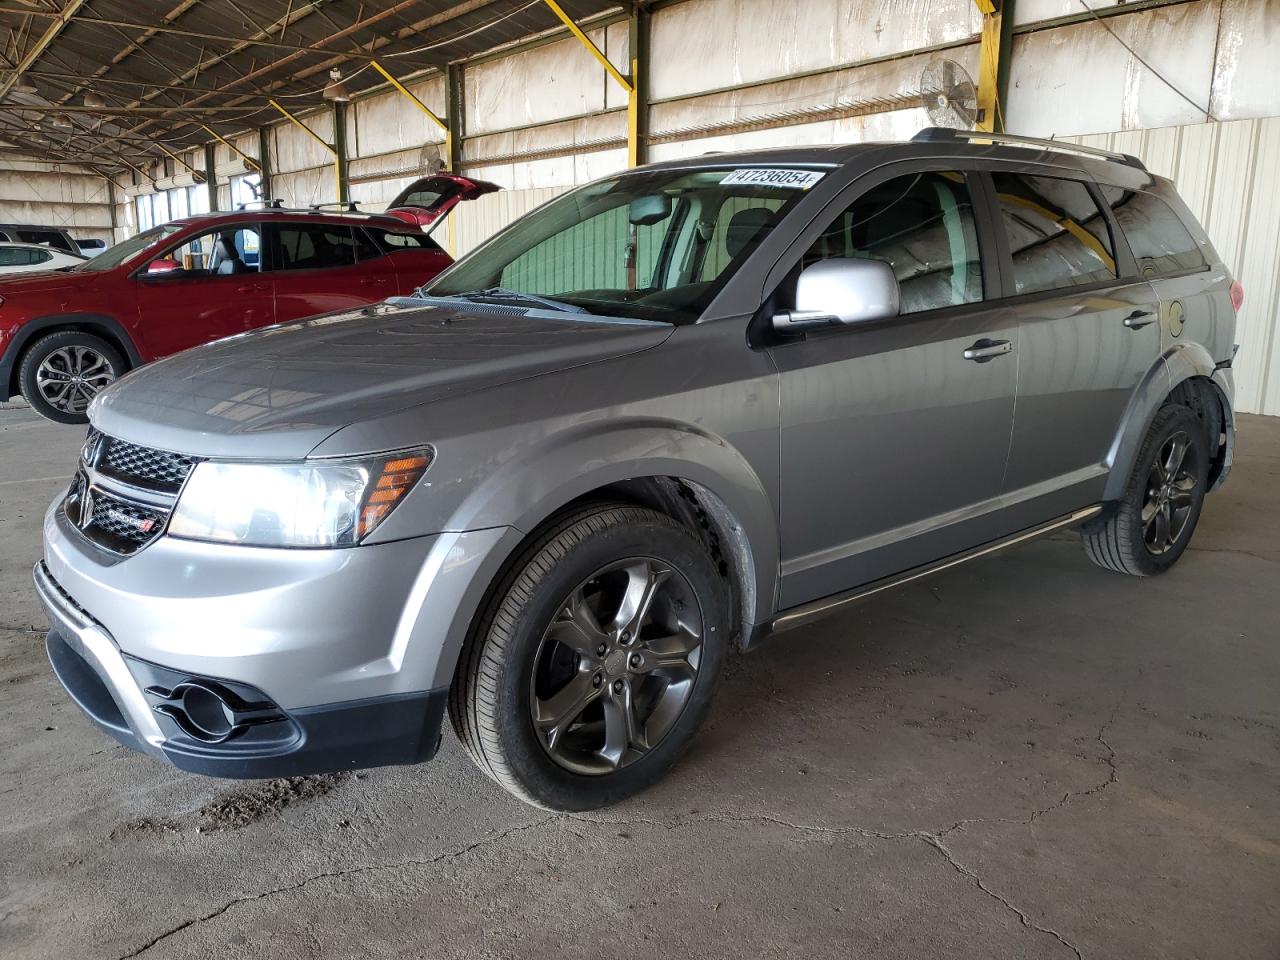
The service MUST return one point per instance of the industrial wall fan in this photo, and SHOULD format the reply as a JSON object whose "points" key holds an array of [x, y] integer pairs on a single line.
{"points": [[948, 95]]}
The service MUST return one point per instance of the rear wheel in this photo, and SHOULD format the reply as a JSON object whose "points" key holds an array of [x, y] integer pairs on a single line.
{"points": [[1148, 529], [596, 661], [61, 373]]}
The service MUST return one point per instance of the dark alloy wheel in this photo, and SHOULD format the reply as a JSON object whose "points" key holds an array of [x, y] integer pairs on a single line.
{"points": [[61, 373], [595, 659], [1147, 529], [1171, 495], [616, 667]]}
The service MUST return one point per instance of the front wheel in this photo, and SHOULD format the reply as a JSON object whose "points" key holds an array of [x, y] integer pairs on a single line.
{"points": [[1149, 528], [61, 373], [596, 661]]}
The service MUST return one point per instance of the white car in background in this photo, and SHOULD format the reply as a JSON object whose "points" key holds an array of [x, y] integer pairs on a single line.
{"points": [[30, 257]]}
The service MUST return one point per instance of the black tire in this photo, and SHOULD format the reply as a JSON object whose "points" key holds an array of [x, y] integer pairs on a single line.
{"points": [[495, 689], [108, 365], [1120, 539]]}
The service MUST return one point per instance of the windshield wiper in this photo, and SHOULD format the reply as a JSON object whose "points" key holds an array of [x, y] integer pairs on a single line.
{"points": [[503, 293]]}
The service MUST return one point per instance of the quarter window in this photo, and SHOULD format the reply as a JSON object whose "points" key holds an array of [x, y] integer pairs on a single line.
{"points": [[1160, 241], [1058, 236], [391, 242], [315, 246], [922, 225]]}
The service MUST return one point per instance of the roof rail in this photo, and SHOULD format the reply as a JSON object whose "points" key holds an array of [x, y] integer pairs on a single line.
{"points": [[950, 135], [276, 204], [349, 206]]}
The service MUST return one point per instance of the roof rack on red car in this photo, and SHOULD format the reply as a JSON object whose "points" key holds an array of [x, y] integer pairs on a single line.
{"points": [[349, 206], [945, 134], [276, 204]]}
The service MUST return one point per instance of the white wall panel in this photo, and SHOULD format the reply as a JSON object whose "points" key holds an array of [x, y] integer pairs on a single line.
{"points": [[389, 122], [65, 196], [550, 82], [1226, 174], [1079, 79], [710, 44]]}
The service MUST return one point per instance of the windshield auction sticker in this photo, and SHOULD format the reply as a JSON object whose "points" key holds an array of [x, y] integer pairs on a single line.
{"points": [[791, 179]]}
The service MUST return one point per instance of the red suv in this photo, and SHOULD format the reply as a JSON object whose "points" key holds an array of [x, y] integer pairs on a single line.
{"points": [[64, 335]]}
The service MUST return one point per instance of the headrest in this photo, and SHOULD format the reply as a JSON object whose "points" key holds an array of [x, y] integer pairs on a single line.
{"points": [[744, 227]]}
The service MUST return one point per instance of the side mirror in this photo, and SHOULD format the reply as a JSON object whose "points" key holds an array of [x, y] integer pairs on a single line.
{"points": [[842, 290], [162, 266]]}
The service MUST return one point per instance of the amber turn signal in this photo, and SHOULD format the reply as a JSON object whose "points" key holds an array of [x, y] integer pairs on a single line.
{"points": [[395, 477]]}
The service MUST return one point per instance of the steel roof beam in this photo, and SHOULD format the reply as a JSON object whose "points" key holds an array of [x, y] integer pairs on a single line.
{"points": [[60, 21]]}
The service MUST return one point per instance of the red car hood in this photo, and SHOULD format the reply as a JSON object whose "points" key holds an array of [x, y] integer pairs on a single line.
{"points": [[46, 281]]}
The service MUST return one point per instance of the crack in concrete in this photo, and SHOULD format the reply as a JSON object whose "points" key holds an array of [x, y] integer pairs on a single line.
{"points": [[931, 839], [1244, 553], [335, 874], [935, 842]]}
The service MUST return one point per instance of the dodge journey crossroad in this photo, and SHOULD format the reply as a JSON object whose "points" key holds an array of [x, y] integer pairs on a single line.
{"points": [[674, 411]]}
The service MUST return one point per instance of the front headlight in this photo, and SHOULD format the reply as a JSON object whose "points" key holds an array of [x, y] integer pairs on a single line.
{"points": [[319, 503]]}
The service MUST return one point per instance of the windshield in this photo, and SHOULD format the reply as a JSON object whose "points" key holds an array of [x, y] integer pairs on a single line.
{"points": [[656, 245], [127, 249]]}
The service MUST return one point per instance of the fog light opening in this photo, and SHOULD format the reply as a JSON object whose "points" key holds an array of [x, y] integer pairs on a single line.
{"points": [[210, 716]]}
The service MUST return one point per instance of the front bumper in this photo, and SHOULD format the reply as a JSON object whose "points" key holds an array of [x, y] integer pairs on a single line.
{"points": [[333, 659], [132, 701]]}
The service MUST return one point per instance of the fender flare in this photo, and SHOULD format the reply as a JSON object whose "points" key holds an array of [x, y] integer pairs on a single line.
{"points": [[1179, 363], [599, 454], [33, 329]]}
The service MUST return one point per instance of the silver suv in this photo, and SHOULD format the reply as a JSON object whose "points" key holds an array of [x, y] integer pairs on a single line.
{"points": [[680, 409]]}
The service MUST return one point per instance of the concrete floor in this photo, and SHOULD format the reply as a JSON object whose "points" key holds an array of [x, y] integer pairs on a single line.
{"points": [[1024, 757]]}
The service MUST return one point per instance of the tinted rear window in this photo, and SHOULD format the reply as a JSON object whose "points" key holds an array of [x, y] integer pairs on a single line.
{"points": [[1160, 241], [315, 247], [1057, 234], [48, 238]]}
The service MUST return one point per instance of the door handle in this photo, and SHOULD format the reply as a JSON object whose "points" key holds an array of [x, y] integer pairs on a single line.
{"points": [[1139, 319], [370, 281], [250, 288], [986, 350]]}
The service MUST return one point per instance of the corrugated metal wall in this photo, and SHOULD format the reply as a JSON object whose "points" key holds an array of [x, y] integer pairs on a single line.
{"points": [[1229, 174]]}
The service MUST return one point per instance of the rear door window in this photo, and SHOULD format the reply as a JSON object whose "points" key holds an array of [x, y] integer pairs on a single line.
{"points": [[314, 246], [1160, 241], [1058, 236]]}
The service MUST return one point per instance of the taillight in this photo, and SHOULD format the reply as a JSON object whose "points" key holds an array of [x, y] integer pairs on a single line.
{"points": [[1237, 296]]}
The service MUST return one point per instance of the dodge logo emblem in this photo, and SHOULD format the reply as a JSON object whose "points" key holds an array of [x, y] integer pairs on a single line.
{"points": [[86, 508]]}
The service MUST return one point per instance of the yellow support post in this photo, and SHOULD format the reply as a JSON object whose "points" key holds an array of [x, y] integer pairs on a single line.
{"points": [[633, 118], [993, 62], [448, 136], [244, 156], [337, 160]]}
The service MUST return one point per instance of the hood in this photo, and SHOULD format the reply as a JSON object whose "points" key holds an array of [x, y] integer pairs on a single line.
{"points": [[44, 281], [278, 392]]}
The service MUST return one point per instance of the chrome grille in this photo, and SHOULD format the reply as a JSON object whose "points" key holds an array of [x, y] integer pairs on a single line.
{"points": [[145, 466], [124, 522], [123, 493]]}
